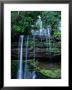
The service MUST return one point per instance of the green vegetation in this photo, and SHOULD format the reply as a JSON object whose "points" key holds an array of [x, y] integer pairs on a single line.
{"points": [[22, 22], [53, 72]]}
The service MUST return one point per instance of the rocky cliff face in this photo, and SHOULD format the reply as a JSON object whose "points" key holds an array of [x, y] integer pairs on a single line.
{"points": [[44, 48]]}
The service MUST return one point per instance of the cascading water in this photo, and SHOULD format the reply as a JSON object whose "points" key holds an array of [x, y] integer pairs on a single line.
{"points": [[48, 39], [48, 35], [20, 50], [49, 30], [34, 73], [46, 44], [26, 60], [28, 74], [39, 24]]}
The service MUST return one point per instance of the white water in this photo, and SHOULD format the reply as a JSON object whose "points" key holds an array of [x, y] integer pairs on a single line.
{"points": [[48, 32], [48, 38], [27, 73], [26, 68], [46, 44], [39, 24], [34, 73], [20, 71], [34, 47]]}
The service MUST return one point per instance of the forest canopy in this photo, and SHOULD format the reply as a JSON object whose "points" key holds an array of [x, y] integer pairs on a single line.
{"points": [[22, 21]]}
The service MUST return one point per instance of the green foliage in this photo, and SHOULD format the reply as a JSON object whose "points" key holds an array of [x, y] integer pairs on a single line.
{"points": [[51, 18], [53, 73], [57, 33], [22, 23]]}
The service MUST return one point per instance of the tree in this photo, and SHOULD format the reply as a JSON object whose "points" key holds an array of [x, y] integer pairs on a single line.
{"points": [[22, 23], [51, 18]]}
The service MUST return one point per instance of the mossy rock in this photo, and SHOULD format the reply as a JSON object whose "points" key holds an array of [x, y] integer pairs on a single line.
{"points": [[51, 73]]}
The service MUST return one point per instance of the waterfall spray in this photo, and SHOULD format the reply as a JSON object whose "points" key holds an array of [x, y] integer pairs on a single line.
{"points": [[34, 73], [20, 71], [26, 60]]}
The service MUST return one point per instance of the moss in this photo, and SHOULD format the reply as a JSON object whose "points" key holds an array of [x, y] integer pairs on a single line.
{"points": [[51, 72]]}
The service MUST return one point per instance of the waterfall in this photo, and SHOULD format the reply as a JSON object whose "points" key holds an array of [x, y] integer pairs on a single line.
{"points": [[34, 73], [34, 47], [49, 36], [43, 32], [46, 44], [48, 31], [26, 72], [20, 50], [39, 24]]}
